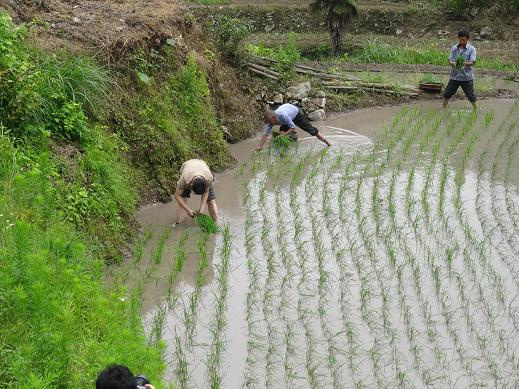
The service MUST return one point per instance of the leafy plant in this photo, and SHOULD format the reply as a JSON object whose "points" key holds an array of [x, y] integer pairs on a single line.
{"points": [[229, 32], [287, 55]]}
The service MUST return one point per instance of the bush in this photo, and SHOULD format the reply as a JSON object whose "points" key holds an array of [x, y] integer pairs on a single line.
{"points": [[287, 56], [229, 32], [177, 120], [63, 206], [45, 94], [60, 324]]}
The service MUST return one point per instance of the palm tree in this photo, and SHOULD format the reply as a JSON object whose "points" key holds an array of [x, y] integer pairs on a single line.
{"points": [[338, 15]]}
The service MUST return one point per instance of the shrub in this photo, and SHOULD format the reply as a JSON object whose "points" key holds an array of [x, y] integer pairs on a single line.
{"points": [[46, 94], [287, 55], [229, 32]]}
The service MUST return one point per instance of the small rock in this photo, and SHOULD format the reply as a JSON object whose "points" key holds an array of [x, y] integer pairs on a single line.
{"points": [[269, 27], [227, 135], [319, 102], [486, 33], [119, 28], [76, 20], [317, 115], [300, 91], [399, 32], [278, 99], [320, 93]]}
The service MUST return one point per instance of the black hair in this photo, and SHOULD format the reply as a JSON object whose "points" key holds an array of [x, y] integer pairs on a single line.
{"points": [[464, 34], [115, 377], [199, 185]]}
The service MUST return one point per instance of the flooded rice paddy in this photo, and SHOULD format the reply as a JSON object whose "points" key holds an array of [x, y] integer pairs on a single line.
{"points": [[387, 260]]}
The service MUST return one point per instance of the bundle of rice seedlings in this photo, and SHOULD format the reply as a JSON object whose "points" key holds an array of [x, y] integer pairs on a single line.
{"points": [[282, 142], [460, 62], [206, 223]]}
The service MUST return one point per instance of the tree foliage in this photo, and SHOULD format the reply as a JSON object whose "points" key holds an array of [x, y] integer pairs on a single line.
{"points": [[338, 15]]}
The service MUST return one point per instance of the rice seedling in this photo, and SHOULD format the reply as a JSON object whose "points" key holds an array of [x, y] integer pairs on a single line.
{"points": [[282, 143], [219, 323], [206, 224], [159, 249]]}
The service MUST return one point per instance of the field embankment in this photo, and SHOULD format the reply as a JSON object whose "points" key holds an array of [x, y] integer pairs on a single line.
{"points": [[100, 104]]}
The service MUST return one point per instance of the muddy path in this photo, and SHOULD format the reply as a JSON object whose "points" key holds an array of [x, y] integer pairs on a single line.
{"points": [[385, 260]]}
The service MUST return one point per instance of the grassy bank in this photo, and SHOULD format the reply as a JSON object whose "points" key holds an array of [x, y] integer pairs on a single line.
{"points": [[71, 169], [380, 52]]}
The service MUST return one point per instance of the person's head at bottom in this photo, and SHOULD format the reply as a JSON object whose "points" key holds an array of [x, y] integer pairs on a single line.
{"points": [[120, 377], [199, 185]]}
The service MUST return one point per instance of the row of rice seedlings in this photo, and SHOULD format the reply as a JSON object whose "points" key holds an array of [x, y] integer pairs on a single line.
{"points": [[214, 359], [159, 317], [323, 284], [365, 291], [415, 271], [156, 257], [272, 360], [349, 330], [506, 229], [190, 312], [476, 279], [481, 207], [159, 249], [176, 266], [460, 284], [139, 246], [429, 375], [465, 304], [510, 204], [305, 291], [253, 304], [494, 278], [289, 272]]}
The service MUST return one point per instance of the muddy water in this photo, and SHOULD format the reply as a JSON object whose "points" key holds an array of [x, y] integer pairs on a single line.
{"points": [[344, 281]]}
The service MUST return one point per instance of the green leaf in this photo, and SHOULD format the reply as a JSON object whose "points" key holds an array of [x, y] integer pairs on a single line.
{"points": [[144, 78]]}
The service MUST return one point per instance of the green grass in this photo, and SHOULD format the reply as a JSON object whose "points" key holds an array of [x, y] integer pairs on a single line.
{"points": [[175, 117], [375, 51], [66, 196]]}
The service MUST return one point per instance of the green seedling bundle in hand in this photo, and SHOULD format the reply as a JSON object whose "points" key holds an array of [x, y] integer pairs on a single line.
{"points": [[460, 62], [282, 142], [206, 224]]}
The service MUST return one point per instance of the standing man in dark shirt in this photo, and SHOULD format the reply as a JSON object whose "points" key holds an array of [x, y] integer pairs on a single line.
{"points": [[461, 73]]}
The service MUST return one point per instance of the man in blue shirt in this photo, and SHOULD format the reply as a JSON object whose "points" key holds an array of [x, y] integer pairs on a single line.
{"points": [[461, 73], [288, 116]]}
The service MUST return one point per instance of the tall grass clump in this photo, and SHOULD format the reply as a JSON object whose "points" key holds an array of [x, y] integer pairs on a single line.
{"points": [[64, 199]]}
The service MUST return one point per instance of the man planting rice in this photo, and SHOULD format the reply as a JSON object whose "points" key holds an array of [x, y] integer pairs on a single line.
{"points": [[462, 58], [195, 176], [288, 116]]}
